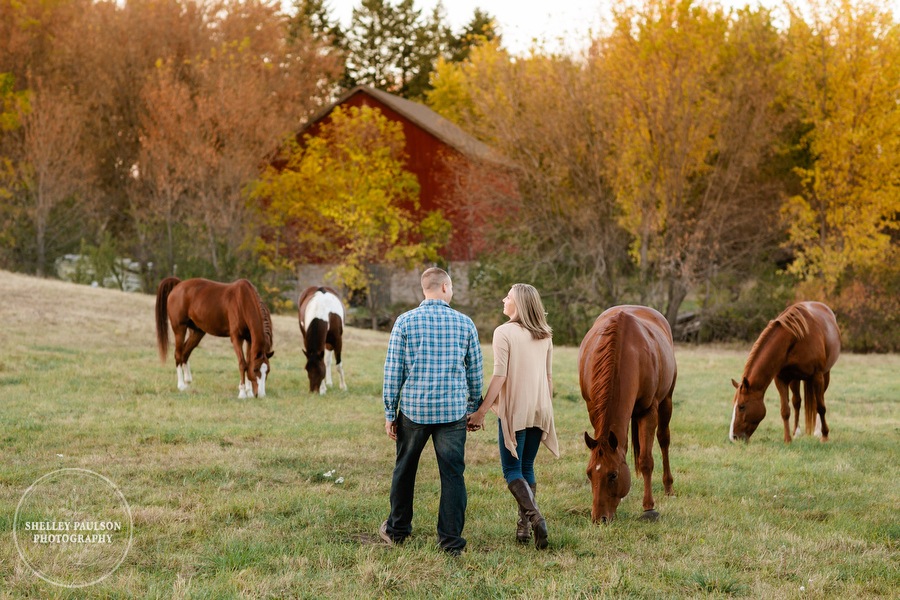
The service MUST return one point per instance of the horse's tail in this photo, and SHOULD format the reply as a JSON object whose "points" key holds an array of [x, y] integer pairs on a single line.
{"points": [[162, 315], [810, 406]]}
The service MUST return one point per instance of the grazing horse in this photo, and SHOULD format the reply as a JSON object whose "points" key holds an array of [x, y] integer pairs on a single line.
{"points": [[627, 371], [321, 317], [801, 344], [196, 307]]}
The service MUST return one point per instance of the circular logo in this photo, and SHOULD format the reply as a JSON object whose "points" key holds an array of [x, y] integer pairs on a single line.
{"points": [[73, 528]]}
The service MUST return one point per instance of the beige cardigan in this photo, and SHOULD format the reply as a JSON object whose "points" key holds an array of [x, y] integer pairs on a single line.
{"points": [[525, 396]]}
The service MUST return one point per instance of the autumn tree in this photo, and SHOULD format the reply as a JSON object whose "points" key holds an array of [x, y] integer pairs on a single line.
{"points": [[845, 65], [212, 120], [347, 193], [696, 117], [12, 104], [51, 172], [544, 114]]}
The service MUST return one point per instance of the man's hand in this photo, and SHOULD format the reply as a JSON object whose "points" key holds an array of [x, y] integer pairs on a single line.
{"points": [[474, 421], [390, 427]]}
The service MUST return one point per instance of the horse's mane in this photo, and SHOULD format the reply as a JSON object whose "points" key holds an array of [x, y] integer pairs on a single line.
{"points": [[792, 319], [603, 367], [267, 321]]}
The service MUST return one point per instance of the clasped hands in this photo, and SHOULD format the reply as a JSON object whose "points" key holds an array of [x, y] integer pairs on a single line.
{"points": [[475, 421]]}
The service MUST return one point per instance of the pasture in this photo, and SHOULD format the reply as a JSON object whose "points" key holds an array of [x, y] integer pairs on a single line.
{"points": [[240, 498]]}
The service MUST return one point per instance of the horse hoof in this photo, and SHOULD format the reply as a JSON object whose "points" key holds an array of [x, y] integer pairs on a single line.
{"points": [[650, 515], [183, 388]]}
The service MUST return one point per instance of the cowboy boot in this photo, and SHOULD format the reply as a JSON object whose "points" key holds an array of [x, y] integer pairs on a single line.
{"points": [[521, 491], [523, 527]]}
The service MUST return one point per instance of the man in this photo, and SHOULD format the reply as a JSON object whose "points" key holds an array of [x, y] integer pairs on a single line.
{"points": [[432, 382]]}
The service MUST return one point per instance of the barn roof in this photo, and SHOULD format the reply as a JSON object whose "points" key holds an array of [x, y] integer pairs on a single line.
{"points": [[441, 128]]}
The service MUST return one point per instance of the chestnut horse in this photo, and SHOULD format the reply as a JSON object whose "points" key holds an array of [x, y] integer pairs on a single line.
{"points": [[321, 316], [627, 372], [196, 307], [801, 344]]}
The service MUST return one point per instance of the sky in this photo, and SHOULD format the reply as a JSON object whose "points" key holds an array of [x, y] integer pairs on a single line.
{"points": [[522, 21]]}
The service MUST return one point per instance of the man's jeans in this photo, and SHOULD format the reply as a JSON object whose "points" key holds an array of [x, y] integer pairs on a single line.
{"points": [[450, 448]]}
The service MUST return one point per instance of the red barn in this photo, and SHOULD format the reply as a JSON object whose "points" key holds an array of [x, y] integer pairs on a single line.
{"points": [[457, 173]]}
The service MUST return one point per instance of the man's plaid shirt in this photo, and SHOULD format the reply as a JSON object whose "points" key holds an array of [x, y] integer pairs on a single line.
{"points": [[433, 370]]}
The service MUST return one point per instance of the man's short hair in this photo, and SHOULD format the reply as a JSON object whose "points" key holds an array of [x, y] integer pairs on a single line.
{"points": [[433, 278]]}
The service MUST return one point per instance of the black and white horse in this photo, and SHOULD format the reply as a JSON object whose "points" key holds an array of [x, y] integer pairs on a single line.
{"points": [[321, 316]]}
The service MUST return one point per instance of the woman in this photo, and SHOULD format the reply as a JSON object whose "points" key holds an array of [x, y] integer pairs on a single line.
{"points": [[521, 388]]}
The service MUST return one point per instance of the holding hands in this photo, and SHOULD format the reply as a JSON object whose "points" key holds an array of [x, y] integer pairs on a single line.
{"points": [[475, 421]]}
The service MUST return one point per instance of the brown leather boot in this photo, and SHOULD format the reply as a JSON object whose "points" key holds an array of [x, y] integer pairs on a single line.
{"points": [[523, 527], [523, 494]]}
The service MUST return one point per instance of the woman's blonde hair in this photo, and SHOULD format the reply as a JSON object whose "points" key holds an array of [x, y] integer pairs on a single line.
{"points": [[530, 312]]}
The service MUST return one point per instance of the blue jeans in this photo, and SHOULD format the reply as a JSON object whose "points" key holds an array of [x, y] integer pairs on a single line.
{"points": [[449, 441], [527, 443]]}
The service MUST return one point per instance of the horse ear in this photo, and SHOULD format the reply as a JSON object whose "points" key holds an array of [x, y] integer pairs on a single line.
{"points": [[745, 384], [589, 441], [613, 440], [305, 354], [270, 354], [736, 385]]}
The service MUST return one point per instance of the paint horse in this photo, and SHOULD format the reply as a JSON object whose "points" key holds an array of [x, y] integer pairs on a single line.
{"points": [[801, 344], [321, 315], [627, 372], [195, 307]]}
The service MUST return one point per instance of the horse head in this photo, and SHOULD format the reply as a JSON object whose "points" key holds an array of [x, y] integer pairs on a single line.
{"points": [[749, 410], [609, 475], [315, 369]]}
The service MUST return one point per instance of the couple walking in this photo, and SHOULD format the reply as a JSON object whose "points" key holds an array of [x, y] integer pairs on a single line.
{"points": [[433, 377]]}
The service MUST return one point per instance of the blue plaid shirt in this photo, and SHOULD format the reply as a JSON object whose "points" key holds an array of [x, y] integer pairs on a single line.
{"points": [[433, 370]]}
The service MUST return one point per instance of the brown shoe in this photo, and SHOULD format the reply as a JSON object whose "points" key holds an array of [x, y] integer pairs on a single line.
{"points": [[383, 532]]}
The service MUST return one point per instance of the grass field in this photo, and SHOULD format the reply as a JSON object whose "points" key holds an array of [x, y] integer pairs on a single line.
{"points": [[230, 498]]}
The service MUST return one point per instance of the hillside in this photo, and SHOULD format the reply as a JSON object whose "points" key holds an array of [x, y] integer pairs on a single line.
{"points": [[49, 311]]}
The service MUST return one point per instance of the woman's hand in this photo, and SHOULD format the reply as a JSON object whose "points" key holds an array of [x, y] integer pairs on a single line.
{"points": [[475, 421]]}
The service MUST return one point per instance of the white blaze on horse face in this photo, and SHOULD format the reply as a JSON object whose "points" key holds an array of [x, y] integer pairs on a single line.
{"points": [[733, 417]]}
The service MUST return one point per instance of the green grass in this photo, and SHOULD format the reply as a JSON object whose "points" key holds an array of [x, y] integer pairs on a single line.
{"points": [[230, 497]]}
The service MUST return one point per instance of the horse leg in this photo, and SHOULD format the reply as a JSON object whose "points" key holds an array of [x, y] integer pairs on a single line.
{"points": [[338, 364], [328, 356], [238, 344], [180, 331], [795, 400], [193, 340], [820, 385], [663, 437], [646, 428], [782, 386]]}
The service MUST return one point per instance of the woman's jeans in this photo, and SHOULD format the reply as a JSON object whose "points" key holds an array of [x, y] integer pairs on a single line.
{"points": [[527, 443], [449, 441]]}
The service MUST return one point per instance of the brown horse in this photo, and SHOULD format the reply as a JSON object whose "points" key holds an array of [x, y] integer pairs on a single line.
{"points": [[801, 344], [234, 310], [321, 316], [627, 372]]}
